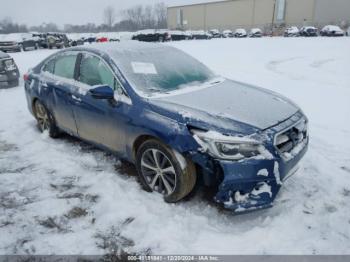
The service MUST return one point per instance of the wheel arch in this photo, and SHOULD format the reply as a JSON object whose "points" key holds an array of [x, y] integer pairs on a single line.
{"points": [[34, 99], [140, 140]]}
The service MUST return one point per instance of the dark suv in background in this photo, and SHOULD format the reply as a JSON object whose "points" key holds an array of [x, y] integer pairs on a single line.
{"points": [[151, 35], [30, 42], [9, 73]]}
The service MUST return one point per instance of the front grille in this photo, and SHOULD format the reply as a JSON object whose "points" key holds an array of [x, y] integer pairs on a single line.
{"points": [[7, 44], [286, 141], [289, 139]]}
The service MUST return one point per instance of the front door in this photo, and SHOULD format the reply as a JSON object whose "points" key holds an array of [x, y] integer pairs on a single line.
{"points": [[98, 120]]}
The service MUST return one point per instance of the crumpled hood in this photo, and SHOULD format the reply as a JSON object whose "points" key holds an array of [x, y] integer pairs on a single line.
{"points": [[229, 105]]}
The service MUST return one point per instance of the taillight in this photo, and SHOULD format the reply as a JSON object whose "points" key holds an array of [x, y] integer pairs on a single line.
{"points": [[26, 77]]}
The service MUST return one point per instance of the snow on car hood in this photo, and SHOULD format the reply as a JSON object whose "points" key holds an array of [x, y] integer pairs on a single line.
{"points": [[235, 101], [3, 55]]}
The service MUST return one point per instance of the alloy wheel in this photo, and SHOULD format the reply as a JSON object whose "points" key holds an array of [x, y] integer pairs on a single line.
{"points": [[42, 116], [158, 171]]}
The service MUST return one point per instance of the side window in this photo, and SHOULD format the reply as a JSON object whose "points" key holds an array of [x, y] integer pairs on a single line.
{"points": [[65, 66], [119, 89], [94, 72], [49, 66]]}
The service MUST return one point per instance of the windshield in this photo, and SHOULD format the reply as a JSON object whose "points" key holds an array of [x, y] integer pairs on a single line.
{"points": [[161, 70]]}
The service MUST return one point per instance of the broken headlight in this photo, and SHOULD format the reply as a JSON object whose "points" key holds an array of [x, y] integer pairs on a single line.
{"points": [[228, 147]]}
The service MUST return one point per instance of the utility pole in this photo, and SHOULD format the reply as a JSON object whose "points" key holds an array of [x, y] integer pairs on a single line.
{"points": [[273, 17]]}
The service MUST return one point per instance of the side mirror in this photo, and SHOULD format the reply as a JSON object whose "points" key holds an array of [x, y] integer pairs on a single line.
{"points": [[102, 92]]}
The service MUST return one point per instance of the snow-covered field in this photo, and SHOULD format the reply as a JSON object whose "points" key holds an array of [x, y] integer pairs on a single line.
{"points": [[65, 197]]}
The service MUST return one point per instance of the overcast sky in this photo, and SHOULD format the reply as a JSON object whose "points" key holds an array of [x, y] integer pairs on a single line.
{"points": [[35, 12]]}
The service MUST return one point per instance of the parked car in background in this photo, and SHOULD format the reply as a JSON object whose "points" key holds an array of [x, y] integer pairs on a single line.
{"points": [[308, 31], [201, 34], [11, 43], [52, 40], [114, 39], [75, 39], [152, 35], [332, 30], [137, 101], [292, 31], [61, 39], [76, 42], [90, 39], [255, 32], [55, 41], [240, 33], [102, 39], [42, 41], [30, 42], [9, 73], [177, 35], [227, 34], [65, 40], [215, 33]]}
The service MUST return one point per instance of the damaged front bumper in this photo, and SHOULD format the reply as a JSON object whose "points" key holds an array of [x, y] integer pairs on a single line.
{"points": [[254, 184]]}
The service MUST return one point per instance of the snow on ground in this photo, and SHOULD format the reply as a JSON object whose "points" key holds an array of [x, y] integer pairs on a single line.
{"points": [[65, 197]]}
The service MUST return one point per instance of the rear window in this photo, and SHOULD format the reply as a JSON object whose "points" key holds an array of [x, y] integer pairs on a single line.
{"points": [[65, 65]]}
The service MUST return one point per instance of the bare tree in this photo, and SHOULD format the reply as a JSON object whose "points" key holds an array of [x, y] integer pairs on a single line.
{"points": [[148, 18], [161, 13], [109, 16], [142, 17], [8, 26]]}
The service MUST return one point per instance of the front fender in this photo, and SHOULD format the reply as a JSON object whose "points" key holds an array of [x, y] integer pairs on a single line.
{"points": [[169, 131]]}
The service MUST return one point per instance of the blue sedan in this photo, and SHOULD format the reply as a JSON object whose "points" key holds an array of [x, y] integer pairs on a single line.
{"points": [[178, 122]]}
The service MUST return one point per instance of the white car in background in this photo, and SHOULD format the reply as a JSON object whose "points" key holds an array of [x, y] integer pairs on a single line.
{"points": [[332, 30], [227, 34], [240, 32], [291, 31], [255, 32]]}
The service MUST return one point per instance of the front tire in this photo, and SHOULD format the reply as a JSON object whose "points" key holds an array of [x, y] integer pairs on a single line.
{"points": [[46, 121], [160, 170]]}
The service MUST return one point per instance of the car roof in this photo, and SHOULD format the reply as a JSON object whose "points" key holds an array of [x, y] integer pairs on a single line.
{"points": [[122, 47]]}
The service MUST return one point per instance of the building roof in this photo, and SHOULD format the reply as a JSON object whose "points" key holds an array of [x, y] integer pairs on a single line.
{"points": [[180, 3]]}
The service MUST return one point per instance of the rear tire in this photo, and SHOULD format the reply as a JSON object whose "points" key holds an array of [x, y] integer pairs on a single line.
{"points": [[45, 119], [160, 170]]}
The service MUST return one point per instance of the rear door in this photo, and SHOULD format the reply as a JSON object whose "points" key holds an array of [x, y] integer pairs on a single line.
{"points": [[60, 80]]}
